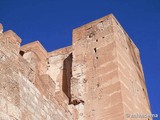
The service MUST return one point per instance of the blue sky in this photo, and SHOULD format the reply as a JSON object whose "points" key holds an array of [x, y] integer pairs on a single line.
{"points": [[51, 22]]}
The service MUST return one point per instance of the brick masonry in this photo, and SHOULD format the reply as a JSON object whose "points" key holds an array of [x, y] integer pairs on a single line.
{"points": [[99, 77]]}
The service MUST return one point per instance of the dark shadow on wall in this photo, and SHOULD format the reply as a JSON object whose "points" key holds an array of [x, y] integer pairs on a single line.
{"points": [[67, 74]]}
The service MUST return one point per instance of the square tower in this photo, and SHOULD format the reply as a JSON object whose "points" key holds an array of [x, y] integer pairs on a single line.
{"points": [[108, 80]]}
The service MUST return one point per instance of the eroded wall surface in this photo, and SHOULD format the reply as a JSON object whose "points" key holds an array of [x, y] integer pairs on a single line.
{"points": [[99, 77]]}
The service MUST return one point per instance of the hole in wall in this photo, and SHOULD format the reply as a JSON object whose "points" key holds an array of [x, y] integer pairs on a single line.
{"points": [[84, 81], [98, 84], [21, 52], [95, 50], [76, 102], [143, 89], [97, 58], [91, 35], [96, 40], [144, 93], [47, 61]]}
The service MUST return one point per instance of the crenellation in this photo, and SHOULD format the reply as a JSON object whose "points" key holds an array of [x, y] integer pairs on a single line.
{"points": [[62, 51], [9, 45], [98, 77], [12, 36]]}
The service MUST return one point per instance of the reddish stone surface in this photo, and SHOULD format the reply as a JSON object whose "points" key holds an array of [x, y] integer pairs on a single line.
{"points": [[99, 77]]}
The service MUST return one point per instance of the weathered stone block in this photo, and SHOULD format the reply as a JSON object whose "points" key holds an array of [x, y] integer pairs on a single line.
{"points": [[13, 111], [10, 89], [3, 104]]}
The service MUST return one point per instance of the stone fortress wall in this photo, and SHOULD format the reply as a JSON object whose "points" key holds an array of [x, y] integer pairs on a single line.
{"points": [[99, 77]]}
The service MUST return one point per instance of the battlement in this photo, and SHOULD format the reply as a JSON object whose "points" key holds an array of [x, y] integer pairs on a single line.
{"points": [[95, 78]]}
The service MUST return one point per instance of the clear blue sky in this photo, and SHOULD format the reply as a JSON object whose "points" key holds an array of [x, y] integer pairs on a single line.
{"points": [[51, 22]]}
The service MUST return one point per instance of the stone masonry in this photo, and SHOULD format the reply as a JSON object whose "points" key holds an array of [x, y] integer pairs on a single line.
{"points": [[99, 77]]}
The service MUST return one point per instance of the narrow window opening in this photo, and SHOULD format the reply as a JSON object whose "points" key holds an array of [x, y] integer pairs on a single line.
{"points": [[96, 40], [48, 61], [67, 74], [97, 58], [102, 37]]}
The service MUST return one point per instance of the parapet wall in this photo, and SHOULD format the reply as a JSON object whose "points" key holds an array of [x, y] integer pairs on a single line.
{"points": [[26, 91], [85, 81]]}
